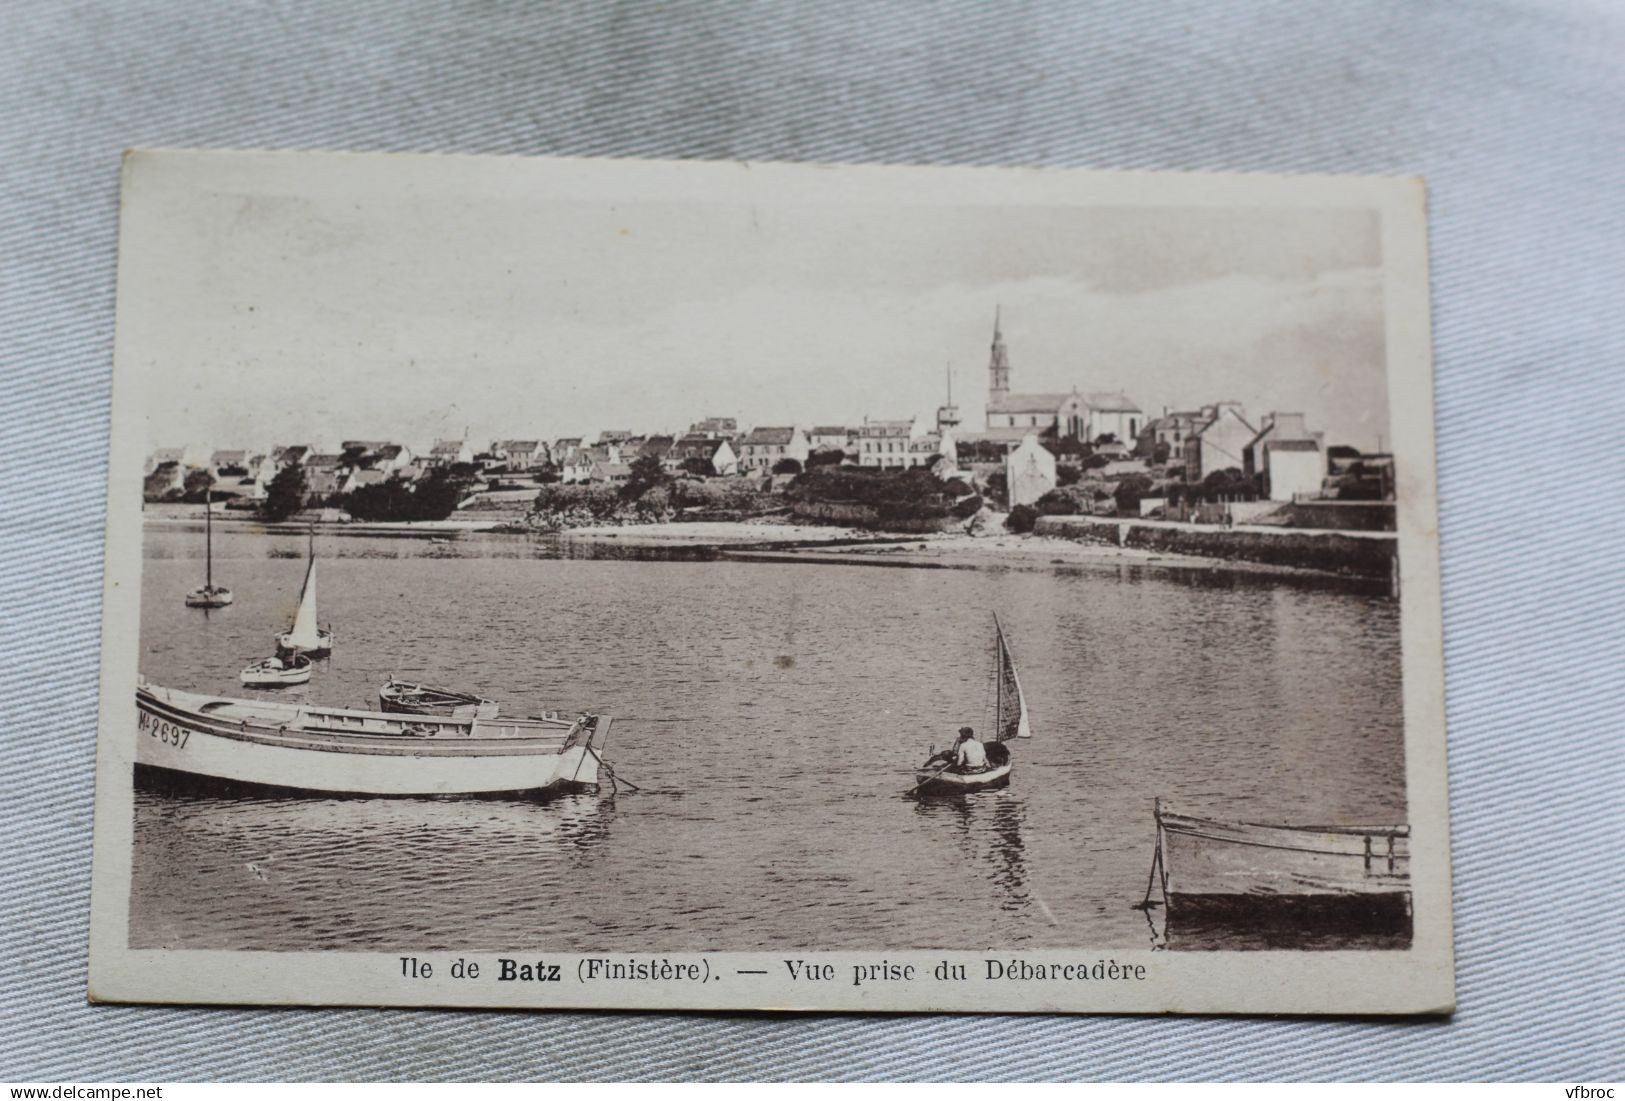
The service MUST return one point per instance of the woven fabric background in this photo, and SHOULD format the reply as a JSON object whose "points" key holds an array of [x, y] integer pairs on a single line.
{"points": [[1515, 112]]}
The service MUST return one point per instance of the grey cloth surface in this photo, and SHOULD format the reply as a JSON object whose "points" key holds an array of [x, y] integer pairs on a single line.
{"points": [[1515, 112]]}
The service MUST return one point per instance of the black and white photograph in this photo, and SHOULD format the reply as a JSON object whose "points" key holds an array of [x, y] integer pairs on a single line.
{"points": [[723, 585]]}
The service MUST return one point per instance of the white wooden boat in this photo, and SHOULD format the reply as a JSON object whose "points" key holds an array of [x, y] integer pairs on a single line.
{"points": [[202, 741], [408, 698], [1211, 866], [210, 595], [277, 672], [1010, 720], [304, 637]]}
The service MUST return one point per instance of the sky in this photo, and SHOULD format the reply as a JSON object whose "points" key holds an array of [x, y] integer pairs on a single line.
{"points": [[276, 312]]}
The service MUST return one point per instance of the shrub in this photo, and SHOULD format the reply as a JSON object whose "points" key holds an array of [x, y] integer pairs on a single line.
{"points": [[787, 466], [1022, 519]]}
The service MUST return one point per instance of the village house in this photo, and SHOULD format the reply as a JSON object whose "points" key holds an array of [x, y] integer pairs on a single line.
{"points": [[1285, 458], [898, 445], [764, 447], [1219, 442], [228, 465], [391, 458], [884, 443], [450, 453], [1166, 435], [518, 455], [166, 479], [564, 450], [607, 472], [833, 437], [183, 457], [657, 448], [293, 455], [714, 426], [614, 435], [703, 454], [579, 466]]}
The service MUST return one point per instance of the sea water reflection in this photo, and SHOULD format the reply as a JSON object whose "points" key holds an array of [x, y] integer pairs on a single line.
{"points": [[772, 715]]}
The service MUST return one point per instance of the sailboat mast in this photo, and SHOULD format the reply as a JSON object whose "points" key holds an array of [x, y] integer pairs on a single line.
{"points": [[208, 541]]}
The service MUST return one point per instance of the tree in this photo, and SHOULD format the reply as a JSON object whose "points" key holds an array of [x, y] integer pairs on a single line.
{"points": [[826, 456], [1160, 453], [285, 495], [787, 466], [1128, 494], [198, 483], [646, 474]]}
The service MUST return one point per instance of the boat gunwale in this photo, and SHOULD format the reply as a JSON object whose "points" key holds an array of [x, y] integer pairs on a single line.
{"points": [[1177, 822], [363, 742]]}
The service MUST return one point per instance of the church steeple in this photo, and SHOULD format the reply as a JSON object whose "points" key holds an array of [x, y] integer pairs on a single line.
{"points": [[998, 367]]}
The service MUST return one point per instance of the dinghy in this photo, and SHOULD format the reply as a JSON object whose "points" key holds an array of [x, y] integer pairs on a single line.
{"points": [[407, 698], [304, 637], [202, 742], [1009, 721], [1210, 866], [276, 672], [210, 595]]}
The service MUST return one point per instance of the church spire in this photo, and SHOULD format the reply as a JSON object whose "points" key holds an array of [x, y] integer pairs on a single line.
{"points": [[998, 367]]}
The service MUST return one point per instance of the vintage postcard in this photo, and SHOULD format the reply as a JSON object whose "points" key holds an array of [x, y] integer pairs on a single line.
{"points": [[627, 584]]}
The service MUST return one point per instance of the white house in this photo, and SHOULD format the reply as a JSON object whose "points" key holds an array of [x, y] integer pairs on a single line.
{"points": [[703, 454], [1029, 471], [762, 448], [1285, 457], [450, 452]]}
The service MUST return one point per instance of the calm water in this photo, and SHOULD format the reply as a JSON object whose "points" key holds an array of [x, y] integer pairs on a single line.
{"points": [[772, 714]]}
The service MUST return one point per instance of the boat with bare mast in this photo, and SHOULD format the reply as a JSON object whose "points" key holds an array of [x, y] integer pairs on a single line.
{"points": [[210, 595], [1010, 720], [304, 636]]}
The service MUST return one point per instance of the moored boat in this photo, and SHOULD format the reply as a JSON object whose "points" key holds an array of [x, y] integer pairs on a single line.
{"points": [[1212, 867], [1010, 720], [277, 672], [210, 595], [205, 741], [304, 636], [408, 698]]}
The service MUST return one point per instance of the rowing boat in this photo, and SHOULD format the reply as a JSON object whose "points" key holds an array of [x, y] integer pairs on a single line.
{"points": [[1010, 721], [1215, 867], [206, 742], [278, 672], [407, 698]]}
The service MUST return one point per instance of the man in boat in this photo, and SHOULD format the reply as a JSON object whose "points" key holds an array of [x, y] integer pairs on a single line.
{"points": [[969, 755]]}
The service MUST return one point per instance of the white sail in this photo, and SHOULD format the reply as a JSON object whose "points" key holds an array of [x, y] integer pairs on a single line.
{"points": [[1012, 719], [303, 635]]}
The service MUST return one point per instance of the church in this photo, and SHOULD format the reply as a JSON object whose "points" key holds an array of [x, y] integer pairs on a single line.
{"points": [[1085, 417]]}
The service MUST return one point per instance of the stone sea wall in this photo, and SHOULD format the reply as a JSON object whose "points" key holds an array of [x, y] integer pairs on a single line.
{"points": [[1332, 552], [853, 514]]}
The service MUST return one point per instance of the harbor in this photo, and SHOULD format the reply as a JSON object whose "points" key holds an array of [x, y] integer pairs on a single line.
{"points": [[771, 714]]}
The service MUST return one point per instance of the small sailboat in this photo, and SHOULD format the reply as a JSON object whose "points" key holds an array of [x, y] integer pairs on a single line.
{"points": [[1009, 721], [406, 698], [277, 672], [210, 595], [304, 637]]}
